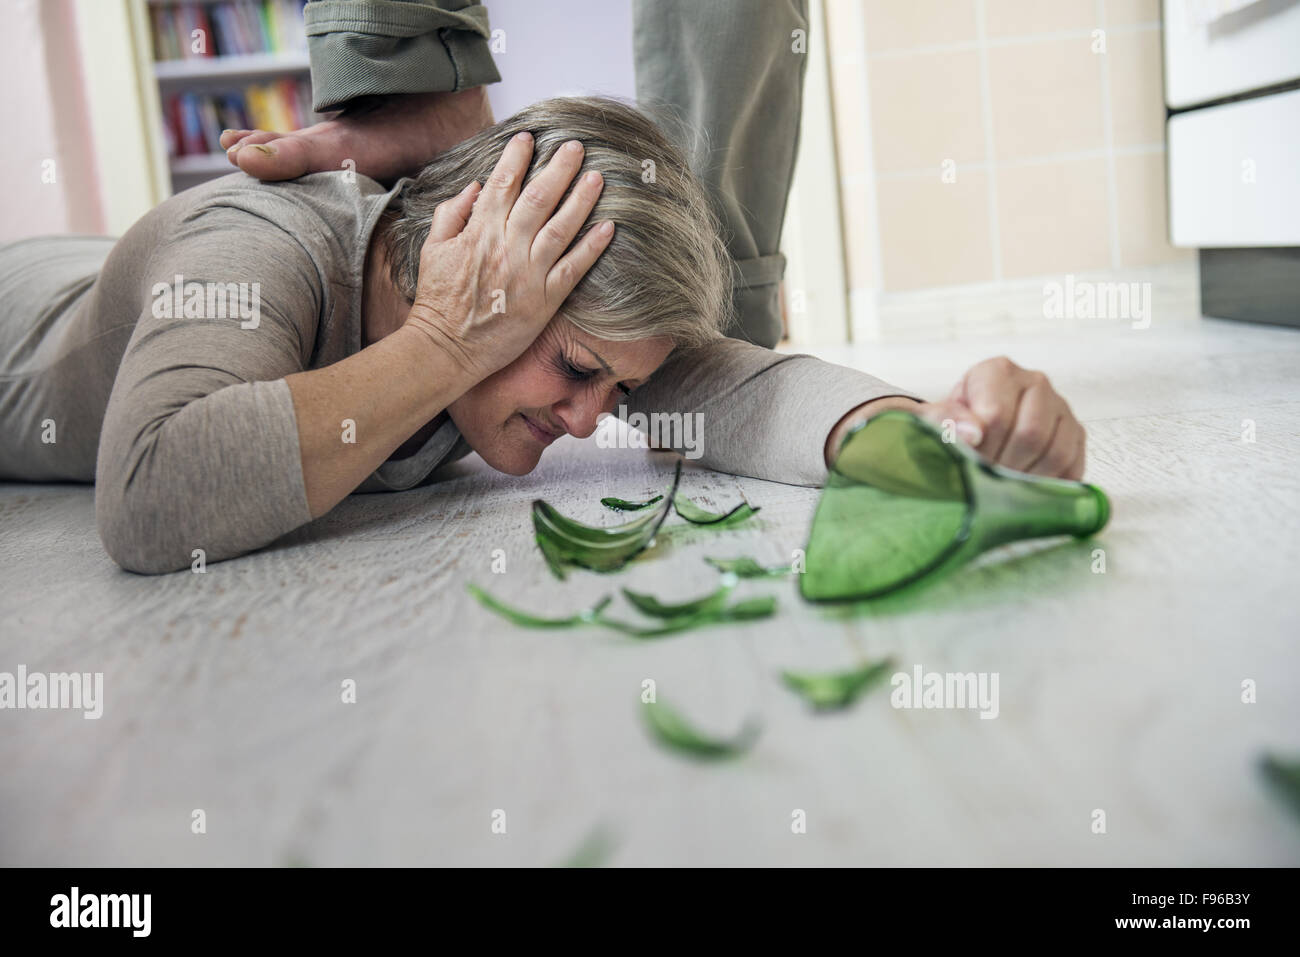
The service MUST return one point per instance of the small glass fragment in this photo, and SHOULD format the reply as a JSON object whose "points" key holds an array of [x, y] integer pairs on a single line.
{"points": [[672, 730], [834, 690], [587, 617], [748, 568], [700, 516], [565, 542], [621, 505]]}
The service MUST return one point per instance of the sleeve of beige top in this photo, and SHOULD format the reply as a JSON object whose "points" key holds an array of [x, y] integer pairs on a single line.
{"points": [[759, 413], [199, 446]]}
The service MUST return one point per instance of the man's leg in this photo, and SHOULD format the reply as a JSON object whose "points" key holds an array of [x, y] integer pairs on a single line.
{"points": [[734, 72]]}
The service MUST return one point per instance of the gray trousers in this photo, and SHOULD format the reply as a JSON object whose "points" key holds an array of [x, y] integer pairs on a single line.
{"points": [[729, 69]]}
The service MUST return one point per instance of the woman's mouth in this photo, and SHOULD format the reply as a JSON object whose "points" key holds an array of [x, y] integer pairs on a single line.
{"points": [[539, 433]]}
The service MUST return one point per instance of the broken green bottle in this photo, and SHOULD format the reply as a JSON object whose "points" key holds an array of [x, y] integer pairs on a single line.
{"points": [[901, 504]]}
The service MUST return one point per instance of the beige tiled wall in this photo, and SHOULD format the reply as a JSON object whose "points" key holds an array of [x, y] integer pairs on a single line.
{"points": [[1057, 149]]}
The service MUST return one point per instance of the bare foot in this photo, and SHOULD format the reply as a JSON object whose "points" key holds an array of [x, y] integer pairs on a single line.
{"points": [[384, 136]]}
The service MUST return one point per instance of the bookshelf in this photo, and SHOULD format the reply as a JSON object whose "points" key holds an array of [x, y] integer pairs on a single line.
{"points": [[225, 63]]}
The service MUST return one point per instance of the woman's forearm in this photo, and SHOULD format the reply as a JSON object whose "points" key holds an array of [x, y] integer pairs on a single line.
{"points": [[353, 414]]}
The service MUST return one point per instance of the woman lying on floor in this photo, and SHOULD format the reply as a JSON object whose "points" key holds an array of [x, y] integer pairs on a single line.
{"points": [[250, 353]]}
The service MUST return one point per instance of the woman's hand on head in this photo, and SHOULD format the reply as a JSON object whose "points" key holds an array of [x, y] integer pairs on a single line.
{"points": [[494, 271]]}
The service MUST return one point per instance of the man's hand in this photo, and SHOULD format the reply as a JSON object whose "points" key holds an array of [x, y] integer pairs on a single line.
{"points": [[1012, 416], [386, 137]]}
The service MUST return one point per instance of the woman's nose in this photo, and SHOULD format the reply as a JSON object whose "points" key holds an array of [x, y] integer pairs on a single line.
{"points": [[580, 413]]}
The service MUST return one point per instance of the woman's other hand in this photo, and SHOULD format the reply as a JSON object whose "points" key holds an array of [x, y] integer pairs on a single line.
{"points": [[1014, 417], [1011, 416], [493, 271]]}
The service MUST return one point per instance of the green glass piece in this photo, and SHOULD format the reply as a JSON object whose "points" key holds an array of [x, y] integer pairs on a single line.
{"points": [[748, 609], [748, 568], [701, 516], [587, 617], [649, 605], [621, 505], [671, 729], [595, 849], [901, 504], [1284, 777], [565, 542], [837, 689]]}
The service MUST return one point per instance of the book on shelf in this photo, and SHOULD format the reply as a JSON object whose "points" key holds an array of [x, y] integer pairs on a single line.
{"points": [[193, 121], [194, 31]]}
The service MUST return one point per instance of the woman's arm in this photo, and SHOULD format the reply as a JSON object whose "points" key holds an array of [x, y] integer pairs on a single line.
{"points": [[215, 437], [765, 414], [352, 415]]}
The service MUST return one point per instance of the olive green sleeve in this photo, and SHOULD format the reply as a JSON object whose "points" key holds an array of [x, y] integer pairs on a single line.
{"points": [[377, 47]]}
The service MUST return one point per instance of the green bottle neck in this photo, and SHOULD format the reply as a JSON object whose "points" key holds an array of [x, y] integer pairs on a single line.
{"points": [[1010, 506]]}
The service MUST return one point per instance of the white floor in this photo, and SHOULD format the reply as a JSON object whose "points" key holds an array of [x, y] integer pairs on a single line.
{"points": [[1118, 691]]}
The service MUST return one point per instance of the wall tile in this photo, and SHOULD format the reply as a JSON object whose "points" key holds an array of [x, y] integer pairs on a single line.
{"points": [[1006, 18], [1137, 107], [934, 233], [1143, 204], [1046, 98], [1125, 12], [901, 24], [1053, 217], [925, 109]]}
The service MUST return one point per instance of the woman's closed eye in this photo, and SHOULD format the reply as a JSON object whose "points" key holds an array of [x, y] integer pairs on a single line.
{"points": [[571, 371]]}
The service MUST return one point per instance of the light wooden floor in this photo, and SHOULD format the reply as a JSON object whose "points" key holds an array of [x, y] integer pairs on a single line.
{"points": [[1118, 691]]}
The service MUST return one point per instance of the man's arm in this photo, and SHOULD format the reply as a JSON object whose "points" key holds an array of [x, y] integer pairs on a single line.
{"points": [[380, 47]]}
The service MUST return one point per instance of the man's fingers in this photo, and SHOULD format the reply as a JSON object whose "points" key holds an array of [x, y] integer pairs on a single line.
{"points": [[502, 186], [539, 198], [556, 235], [1037, 419], [451, 215], [566, 273]]}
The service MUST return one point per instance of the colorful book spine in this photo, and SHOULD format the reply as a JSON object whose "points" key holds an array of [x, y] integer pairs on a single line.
{"points": [[229, 28]]}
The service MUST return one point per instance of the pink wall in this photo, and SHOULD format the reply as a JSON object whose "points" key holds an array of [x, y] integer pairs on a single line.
{"points": [[43, 112]]}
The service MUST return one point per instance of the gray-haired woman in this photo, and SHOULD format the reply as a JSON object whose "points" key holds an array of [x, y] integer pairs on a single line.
{"points": [[249, 353]]}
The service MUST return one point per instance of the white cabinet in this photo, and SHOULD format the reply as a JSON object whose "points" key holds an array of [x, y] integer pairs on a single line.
{"points": [[1209, 57], [1234, 173]]}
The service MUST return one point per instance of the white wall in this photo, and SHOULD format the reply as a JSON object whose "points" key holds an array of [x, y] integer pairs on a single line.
{"points": [[561, 47], [43, 114]]}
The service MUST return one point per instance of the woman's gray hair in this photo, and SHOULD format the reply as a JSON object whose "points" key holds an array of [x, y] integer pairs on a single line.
{"points": [[665, 273]]}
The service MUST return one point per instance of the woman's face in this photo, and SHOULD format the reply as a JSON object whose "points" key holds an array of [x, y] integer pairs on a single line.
{"points": [[560, 384]]}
